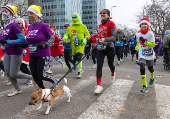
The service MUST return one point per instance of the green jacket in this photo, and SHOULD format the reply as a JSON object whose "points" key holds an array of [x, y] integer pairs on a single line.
{"points": [[77, 30]]}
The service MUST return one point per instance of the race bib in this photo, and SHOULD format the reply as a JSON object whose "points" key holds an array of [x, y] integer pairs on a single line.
{"points": [[147, 52], [32, 48], [76, 41], [132, 43], [102, 46], [118, 42], [68, 40], [125, 44], [24, 52]]}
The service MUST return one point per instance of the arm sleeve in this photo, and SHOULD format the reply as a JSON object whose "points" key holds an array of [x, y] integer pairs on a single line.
{"points": [[137, 46], [113, 37], [50, 41], [21, 39], [150, 44]]}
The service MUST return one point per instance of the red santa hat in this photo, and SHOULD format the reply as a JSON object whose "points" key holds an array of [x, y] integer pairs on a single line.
{"points": [[145, 20], [52, 29]]}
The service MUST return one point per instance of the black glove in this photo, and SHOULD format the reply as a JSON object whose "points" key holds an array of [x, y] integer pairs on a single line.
{"points": [[142, 39], [24, 45], [42, 45], [3, 41]]}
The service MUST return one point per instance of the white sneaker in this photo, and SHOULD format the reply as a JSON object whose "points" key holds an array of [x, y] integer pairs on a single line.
{"points": [[98, 89], [49, 71], [63, 65], [2, 74], [29, 82], [94, 66], [87, 61], [112, 78], [121, 60], [15, 93]]}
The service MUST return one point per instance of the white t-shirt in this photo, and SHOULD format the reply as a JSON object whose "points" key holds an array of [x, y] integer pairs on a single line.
{"points": [[146, 52]]}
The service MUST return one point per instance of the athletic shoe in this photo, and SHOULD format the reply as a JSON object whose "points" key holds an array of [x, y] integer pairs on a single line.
{"points": [[29, 82], [144, 89], [118, 62], [98, 89], [15, 93], [9, 83], [63, 65], [79, 75], [112, 78], [49, 71], [2, 74], [151, 81], [94, 66], [137, 61], [87, 61], [55, 83], [121, 60]]}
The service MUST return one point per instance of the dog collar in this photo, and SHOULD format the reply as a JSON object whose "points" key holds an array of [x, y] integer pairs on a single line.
{"points": [[44, 96]]}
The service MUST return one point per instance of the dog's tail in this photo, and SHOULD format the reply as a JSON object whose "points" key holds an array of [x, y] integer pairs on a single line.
{"points": [[65, 80]]}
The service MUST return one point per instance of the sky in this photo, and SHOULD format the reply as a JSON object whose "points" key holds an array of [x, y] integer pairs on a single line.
{"points": [[124, 11]]}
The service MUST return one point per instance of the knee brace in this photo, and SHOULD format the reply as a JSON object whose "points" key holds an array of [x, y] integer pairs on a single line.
{"points": [[142, 69]]}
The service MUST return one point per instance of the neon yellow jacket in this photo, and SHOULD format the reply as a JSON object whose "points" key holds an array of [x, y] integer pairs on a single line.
{"points": [[77, 30]]}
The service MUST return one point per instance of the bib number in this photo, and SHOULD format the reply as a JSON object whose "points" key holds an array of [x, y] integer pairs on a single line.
{"points": [[147, 52], [76, 41], [118, 42], [32, 48], [102, 46], [24, 52], [132, 42]]}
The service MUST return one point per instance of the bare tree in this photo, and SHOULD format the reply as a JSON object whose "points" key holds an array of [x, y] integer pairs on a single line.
{"points": [[158, 13]]}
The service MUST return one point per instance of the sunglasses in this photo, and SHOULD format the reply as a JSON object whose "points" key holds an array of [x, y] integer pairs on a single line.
{"points": [[102, 12]]}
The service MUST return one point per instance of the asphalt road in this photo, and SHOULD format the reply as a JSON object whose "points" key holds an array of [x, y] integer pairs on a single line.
{"points": [[136, 104]]}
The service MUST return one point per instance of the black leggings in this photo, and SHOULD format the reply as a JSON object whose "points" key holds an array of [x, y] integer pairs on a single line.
{"points": [[38, 67], [137, 55], [110, 53], [25, 69], [119, 52], [142, 69], [94, 55], [87, 49], [68, 57], [2, 65]]}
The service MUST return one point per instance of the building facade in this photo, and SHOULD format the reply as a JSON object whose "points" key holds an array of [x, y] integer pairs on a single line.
{"points": [[57, 13], [90, 16]]}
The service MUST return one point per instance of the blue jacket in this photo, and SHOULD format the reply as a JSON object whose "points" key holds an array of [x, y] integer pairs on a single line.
{"points": [[133, 42], [67, 45]]}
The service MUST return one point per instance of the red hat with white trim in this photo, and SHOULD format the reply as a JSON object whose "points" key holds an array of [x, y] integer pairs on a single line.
{"points": [[145, 20]]}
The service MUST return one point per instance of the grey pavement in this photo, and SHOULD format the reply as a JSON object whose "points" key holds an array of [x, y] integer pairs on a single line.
{"points": [[134, 105]]}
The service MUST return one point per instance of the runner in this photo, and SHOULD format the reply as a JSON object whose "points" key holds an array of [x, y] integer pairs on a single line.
{"points": [[68, 50], [94, 39], [126, 47], [56, 51], [87, 49], [12, 37], [79, 35], [158, 45], [39, 38], [106, 47], [132, 42], [119, 44], [25, 57], [145, 44]]}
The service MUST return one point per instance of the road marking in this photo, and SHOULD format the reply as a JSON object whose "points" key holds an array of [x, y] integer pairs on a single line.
{"points": [[163, 101], [108, 104], [4, 93], [32, 109]]}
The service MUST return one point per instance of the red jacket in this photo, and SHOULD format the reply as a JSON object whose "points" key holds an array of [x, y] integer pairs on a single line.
{"points": [[94, 40], [1, 53], [56, 51]]}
